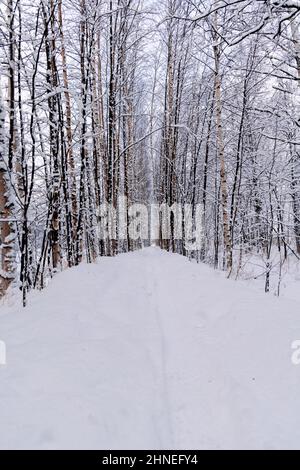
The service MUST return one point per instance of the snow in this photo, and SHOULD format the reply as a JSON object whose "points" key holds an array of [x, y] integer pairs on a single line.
{"points": [[149, 351], [253, 272]]}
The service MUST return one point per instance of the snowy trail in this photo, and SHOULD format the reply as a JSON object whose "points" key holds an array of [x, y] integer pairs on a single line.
{"points": [[149, 351]]}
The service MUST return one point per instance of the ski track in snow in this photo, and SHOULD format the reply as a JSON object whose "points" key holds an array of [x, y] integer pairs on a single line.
{"points": [[149, 351]]}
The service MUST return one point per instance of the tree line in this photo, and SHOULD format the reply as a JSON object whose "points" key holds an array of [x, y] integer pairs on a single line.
{"points": [[174, 101]]}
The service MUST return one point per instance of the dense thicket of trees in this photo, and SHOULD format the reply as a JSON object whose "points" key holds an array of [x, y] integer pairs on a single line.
{"points": [[177, 101]]}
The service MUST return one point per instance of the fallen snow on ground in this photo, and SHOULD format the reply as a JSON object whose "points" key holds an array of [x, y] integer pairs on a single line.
{"points": [[148, 350], [284, 275]]}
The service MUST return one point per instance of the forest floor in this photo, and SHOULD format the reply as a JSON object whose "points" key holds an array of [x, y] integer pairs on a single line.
{"points": [[149, 351]]}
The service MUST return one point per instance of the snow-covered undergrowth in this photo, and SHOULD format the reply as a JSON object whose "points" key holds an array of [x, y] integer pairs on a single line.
{"points": [[284, 276], [148, 350]]}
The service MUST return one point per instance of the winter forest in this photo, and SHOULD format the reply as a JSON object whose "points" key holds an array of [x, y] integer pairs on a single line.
{"points": [[173, 101]]}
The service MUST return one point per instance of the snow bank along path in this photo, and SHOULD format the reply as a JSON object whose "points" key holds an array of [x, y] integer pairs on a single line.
{"points": [[148, 350]]}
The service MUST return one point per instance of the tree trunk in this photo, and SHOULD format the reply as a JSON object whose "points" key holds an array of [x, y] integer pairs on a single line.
{"points": [[221, 152], [7, 234]]}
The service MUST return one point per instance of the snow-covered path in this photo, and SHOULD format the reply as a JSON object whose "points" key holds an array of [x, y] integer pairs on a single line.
{"points": [[148, 351]]}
